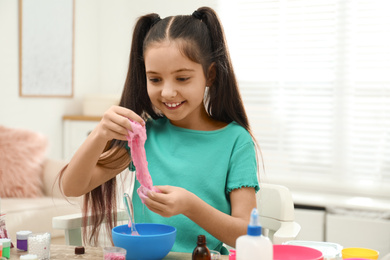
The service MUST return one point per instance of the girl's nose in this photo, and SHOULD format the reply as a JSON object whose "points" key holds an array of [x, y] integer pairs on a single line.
{"points": [[168, 91]]}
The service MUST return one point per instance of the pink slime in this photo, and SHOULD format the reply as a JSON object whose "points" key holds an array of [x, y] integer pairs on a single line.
{"points": [[136, 140], [114, 256]]}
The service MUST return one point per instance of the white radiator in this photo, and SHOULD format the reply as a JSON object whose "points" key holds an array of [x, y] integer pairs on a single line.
{"points": [[312, 221], [347, 227], [359, 229]]}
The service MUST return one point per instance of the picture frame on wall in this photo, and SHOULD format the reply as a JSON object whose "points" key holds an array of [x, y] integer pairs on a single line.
{"points": [[46, 48]]}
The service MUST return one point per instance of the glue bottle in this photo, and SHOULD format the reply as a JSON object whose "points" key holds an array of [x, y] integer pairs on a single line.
{"points": [[254, 246]]}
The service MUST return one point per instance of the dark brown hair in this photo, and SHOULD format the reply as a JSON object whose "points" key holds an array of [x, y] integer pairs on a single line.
{"points": [[200, 37]]}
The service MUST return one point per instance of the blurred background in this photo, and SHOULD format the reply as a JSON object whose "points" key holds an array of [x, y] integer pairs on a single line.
{"points": [[314, 76]]}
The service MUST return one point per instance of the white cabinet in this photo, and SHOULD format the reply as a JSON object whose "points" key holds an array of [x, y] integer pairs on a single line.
{"points": [[359, 231], [75, 131], [349, 220], [347, 227], [312, 223]]}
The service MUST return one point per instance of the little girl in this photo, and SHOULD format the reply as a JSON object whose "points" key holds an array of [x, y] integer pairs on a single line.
{"points": [[200, 151]]}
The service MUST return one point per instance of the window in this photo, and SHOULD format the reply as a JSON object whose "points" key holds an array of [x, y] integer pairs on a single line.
{"points": [[315, 79]]}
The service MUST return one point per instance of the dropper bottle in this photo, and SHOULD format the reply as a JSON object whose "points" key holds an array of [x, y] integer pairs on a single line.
{"points": [[254, 246], [201, 252]]}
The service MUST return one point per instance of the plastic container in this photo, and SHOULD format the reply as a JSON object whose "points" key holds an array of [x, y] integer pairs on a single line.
{"points": [[21, 240], [28, 257], [215, 255], [330, 251], [154, 240], [114, 253], [293, 252], [357, 252], [356, 259], [6, 247], [232, 254], [39, 244], [254, 245]]}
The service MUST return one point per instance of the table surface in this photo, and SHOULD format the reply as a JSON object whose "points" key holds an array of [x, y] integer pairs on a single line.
{"points": [[93, 253]]}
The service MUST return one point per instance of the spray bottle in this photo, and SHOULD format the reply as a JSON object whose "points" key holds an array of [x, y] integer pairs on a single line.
{"points": [[254, 246]]}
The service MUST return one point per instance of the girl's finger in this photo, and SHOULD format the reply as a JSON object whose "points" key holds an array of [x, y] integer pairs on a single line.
{"points": [[155, 210], [157, 197], [163, 189], [127, 113], [153, 205]]}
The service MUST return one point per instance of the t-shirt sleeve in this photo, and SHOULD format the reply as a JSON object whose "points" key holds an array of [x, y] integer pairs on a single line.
{"points": [[243, 168]]}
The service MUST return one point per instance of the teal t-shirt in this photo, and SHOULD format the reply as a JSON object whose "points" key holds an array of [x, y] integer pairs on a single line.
{"points": [[209, 164]]}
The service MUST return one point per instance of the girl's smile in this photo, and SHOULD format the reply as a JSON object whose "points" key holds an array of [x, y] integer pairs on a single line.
{"points": [[173, 105]]}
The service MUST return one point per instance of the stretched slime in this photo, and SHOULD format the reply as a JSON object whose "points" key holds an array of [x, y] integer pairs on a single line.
{"points": [[136, 141]]}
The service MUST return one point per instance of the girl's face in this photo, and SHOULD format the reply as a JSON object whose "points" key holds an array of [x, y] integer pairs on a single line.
{"points": [[175, 85]]}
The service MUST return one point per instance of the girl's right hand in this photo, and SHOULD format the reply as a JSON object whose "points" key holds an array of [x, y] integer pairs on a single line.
{"points": [[83, 172], [115, 123]]}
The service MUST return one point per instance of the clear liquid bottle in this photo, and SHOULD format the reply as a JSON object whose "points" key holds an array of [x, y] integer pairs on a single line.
{"points": [[254, 246], [201, 252]]}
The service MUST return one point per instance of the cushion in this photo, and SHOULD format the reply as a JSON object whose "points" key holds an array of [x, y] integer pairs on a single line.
{"points": [[22, 153]]}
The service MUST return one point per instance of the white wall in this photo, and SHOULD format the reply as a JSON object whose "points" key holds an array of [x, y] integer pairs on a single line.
{"points": [[103, 30]]}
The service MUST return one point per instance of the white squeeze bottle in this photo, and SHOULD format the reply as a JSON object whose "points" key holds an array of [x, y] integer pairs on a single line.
{"points": [[254, 246]]}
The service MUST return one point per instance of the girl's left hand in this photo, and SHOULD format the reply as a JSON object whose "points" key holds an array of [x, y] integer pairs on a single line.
{"points": [[170, 201]]}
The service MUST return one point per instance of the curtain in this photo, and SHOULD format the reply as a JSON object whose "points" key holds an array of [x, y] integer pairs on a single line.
{"points": [[315, 79]]}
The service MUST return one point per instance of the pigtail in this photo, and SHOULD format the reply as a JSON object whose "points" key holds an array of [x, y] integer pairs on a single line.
{"points": [[224, 100], [135, 96], [225, 103]]}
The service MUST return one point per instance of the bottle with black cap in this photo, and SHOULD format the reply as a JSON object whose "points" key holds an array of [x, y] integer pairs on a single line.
{"points": [[201, 252]]}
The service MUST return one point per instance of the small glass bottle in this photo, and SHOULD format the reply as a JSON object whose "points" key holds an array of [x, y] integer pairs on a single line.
{"points": [[201, 252], [21, 240], [232, 254], [6, 242]]}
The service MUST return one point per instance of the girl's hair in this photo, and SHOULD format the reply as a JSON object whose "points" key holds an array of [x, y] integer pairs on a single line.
{"points": [[200, 37]]}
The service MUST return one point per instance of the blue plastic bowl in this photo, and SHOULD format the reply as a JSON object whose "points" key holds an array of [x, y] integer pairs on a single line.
{"points": [[154, 242]]}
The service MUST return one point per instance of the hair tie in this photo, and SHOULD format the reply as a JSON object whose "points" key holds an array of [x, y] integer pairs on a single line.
{"points": [[156, 20], [198, 15]]}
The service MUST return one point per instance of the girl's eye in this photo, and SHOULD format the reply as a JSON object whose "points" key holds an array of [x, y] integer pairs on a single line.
{"points": [[183, 79], [154, 80]]}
